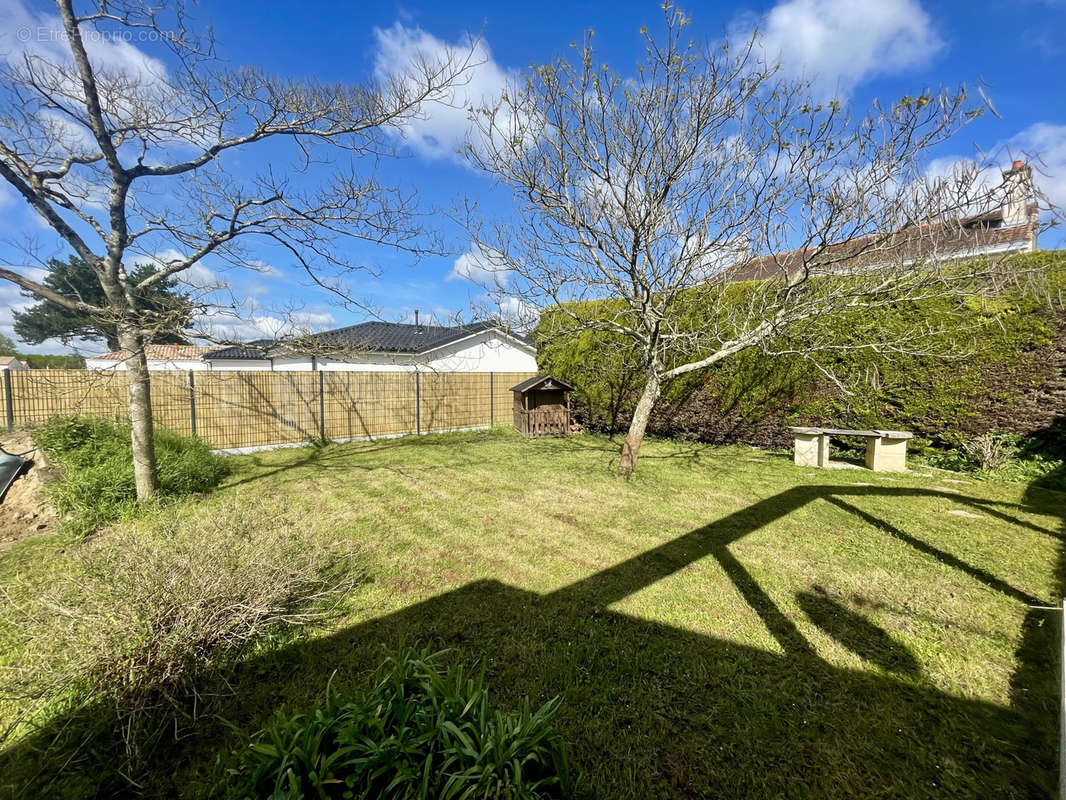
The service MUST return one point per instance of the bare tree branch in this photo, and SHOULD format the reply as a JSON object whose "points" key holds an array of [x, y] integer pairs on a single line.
{"points": [[707, 205], [128, 161]]}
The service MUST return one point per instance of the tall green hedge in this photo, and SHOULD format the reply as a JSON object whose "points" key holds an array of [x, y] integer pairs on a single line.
{"points": [[1007, 350]]}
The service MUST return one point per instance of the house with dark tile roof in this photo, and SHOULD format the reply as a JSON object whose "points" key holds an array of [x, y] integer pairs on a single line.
{"points": [[368, 346]]}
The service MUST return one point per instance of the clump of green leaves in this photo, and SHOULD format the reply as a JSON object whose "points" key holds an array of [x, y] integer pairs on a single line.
{"points": [[998, 346], [422, 731], [95, 460], [1001, 456]]}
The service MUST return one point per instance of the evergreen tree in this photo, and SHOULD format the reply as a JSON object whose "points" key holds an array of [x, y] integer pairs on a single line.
{"points": [[75, 279]]}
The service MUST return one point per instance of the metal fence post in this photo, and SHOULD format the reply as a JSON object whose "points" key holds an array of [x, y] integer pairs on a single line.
{"points": [[321, 405], [9, 405], [1062, 704], [492, 399], [192, 402], [418, 402]]}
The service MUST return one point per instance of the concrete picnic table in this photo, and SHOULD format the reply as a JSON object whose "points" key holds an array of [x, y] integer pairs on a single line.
{"points": [[886, 451]]}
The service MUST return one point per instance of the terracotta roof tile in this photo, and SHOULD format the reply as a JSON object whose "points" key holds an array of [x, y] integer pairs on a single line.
{"points": [[943, 240], [166, 352]]}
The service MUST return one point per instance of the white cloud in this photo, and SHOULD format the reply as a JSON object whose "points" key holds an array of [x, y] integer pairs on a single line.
{"points": [[201, 277], [434, 315], [1044, 145], [256, 289], [25, 32], [198, 276], [11, 300], [485, 268], [443, 127], [254, 322], [67, 133], [263, 268], [518, 313], [841, 43]]}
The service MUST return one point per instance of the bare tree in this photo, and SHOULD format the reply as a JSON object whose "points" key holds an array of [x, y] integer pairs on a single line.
{"points": [[654, 195], [123, 161]]}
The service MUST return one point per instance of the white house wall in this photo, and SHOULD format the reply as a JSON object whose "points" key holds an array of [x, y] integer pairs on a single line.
{"points": [[154, 364], [370, 362], [239, 365], [482, 354], [488, 352], [291, 364]]}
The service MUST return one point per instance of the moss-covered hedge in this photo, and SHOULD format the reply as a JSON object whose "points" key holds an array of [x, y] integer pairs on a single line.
{"points": [[1008, 377]]}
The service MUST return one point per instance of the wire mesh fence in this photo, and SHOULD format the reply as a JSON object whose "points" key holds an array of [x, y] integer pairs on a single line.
{"points": [[244, 409]]}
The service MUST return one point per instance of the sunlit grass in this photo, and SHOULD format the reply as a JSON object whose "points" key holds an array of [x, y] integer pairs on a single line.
{"points": [[772, 629]]}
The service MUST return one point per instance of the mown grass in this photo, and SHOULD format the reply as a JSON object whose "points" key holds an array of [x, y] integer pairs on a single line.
{"points": [[724, 624]]}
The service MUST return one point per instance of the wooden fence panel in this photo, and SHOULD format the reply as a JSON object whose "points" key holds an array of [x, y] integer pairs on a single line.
{"points": [[453, 400], [502, 398], [250, 409], [238, 409], [38, 395], [170, 401], [366, 404]]}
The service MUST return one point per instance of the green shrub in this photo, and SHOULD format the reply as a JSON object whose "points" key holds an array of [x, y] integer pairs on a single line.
{"points": [[1000, 456], [421, 732], [1000, 351], [95, 460], [140, 625]]}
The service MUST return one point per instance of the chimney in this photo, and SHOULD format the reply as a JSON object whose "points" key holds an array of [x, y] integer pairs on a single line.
{"points": [[418, 328], [1017, 194]]}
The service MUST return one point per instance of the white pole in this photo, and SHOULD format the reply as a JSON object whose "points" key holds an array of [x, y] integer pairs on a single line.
{"points": [[1062, 707]]}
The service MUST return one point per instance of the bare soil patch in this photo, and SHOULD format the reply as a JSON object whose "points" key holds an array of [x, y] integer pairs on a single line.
{"points": [[25, 510]]}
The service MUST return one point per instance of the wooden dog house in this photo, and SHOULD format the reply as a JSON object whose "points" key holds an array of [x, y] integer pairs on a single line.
{"points": [[542, 406]]}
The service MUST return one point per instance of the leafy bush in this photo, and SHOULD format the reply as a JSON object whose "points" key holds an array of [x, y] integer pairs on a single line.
{"points": [[1002, 347], [1000, 456], [147, 613], [96, 466], [421, 732]]}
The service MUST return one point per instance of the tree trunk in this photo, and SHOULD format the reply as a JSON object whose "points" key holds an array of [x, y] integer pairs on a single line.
{"points": [[140, 401], [635, 434]]}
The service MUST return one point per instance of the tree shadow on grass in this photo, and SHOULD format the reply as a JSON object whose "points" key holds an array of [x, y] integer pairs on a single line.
{"points": [[856, 632], [1034, 687], [656, 711], [337, 456]]}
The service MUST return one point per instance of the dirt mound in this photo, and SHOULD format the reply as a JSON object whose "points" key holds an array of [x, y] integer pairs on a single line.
{"points": [[24, 510]]}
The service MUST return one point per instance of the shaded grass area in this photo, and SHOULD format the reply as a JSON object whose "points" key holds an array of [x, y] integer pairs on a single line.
{"points": [[725, 624]]}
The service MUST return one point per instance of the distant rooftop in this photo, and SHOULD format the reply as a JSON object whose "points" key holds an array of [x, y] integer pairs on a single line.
{"points": [[366, 337], [166, 352], [394, 337]]}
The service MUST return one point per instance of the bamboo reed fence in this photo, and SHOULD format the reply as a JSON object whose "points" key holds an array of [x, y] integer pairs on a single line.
{"points": [[250, 409]]}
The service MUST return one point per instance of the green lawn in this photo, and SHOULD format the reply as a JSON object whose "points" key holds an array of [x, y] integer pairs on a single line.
{"points": [[726, 624]]}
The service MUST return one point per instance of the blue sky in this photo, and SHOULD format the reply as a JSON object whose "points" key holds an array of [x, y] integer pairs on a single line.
{"points": [[860, 50]]}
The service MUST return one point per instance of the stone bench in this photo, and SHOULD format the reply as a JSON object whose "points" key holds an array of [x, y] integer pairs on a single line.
{"points": [[886, 451]]}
